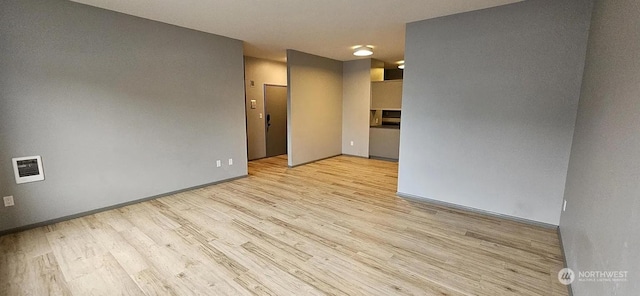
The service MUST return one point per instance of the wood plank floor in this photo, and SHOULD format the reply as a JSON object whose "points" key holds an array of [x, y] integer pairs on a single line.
{"points": [[334, 227]]}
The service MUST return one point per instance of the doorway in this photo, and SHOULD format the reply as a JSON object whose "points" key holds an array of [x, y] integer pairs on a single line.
{"points": [[275, 108]]}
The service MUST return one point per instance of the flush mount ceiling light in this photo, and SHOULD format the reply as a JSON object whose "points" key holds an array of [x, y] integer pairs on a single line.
{"points": [[363, 51], [401, 64]]}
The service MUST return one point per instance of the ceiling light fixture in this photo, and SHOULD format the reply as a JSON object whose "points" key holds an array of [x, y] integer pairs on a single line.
{"points": [[401, 64], [363, 51]]}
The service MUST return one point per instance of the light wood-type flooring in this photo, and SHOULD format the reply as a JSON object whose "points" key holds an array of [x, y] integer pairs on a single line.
{"points": [[334, 227]]}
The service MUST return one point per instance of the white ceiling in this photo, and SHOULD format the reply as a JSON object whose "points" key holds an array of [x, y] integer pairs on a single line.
{"points": [[326, 28]]}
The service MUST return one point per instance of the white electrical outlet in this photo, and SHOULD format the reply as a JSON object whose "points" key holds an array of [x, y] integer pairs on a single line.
{"points": [[351, 143], [564, 206], [260, 115], [218, 163], [8, 201], [230, 161]]}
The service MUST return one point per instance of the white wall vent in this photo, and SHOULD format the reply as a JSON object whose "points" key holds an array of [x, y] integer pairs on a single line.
{"points": [[28, 169]]}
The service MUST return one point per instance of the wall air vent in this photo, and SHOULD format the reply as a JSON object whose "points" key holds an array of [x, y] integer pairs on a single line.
{"points": [[28, 169]]}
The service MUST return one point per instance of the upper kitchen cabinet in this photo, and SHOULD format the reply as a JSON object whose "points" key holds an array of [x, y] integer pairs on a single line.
{"points": [[386, 94]]}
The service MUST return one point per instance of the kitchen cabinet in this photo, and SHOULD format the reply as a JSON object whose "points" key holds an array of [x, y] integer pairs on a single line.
{"points": [[386, 94], [384, 142]]}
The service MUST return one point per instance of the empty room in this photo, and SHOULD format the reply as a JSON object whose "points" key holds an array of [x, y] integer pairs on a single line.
{"points": [[364, 147]]}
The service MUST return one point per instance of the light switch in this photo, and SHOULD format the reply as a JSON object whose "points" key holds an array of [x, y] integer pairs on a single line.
{"points": [[8, 201], [253, 104]]}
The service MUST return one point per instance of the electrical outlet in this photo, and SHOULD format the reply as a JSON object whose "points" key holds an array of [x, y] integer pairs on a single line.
{"points": [[218, 163], [260, 115], [230, 161], [8, 201], [564, 206], [351, 143]]}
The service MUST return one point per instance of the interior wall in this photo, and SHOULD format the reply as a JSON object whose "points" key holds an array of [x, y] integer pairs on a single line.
{"points": [[120, 108], [356, 96], [314, 107], [489, 105], [261, 72], [377, 70], [600, 226]]}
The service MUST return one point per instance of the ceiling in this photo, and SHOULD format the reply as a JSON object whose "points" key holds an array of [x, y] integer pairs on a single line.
{"points": [[328, 28]]}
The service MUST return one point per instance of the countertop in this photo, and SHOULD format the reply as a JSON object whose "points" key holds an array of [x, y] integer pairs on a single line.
{"points": [[385, 126]]}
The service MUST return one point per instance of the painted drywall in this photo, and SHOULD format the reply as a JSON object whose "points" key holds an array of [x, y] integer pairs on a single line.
{"points": [[314, 107], [600, 229], [377, 70], [120, 108], [261, 72], [356, 96], [489, 105]]}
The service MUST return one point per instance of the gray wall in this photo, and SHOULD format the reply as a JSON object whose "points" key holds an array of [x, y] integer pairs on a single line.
{"points": [[120, 108], [489, 105], [601, 226], [314, 107], [261, 72], [356, 96]]}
